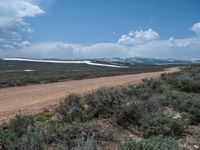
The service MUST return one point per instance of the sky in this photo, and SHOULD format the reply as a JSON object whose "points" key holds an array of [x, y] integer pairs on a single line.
{"points": [[73, 29]]}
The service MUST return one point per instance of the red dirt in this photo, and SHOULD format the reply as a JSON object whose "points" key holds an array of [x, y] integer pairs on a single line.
{"points": [[35, 98]]}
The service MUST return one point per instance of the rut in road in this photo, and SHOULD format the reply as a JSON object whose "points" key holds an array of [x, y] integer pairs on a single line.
{"points": [[34, 98]]}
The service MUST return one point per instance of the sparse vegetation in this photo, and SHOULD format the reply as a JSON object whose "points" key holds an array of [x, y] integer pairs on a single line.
{"points": [[187, 103], [22, 133], [72, 109], [12, 72], [153, 143], [133, 118], [130, 115], [162, 124], [70, 135], [104, 102], [146, 89]]}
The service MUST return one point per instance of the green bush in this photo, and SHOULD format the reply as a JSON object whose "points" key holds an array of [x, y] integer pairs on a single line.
{"points": [[80, 144], [192, 108], [68, 135], [88, 144], [153, 143], [131, 114], [169, 98], [19, 124], [162, 124], [23, 134], [44, 116], [188, 85], [105, 102], [145, 89], [187, 80], [72, 109], [182, 102]]}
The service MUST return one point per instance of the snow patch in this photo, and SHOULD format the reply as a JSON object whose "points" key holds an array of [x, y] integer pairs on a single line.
{"points": [[28, 70], [65, 62]]}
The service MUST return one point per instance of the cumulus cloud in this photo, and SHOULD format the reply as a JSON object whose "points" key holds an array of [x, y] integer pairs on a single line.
{"points": [[12, 25], [196, 28], [69, 51], [15, 10], [180, 43], [138, 37], [144, 43], [171, 48]]}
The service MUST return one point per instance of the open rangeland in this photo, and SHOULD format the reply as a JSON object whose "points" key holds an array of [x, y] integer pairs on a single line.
{"points": [[35, 98]]}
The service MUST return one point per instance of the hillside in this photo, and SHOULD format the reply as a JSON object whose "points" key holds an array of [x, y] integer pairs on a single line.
{"points": [[155, 114], [35, 98], [18, 73], [152, 61]]}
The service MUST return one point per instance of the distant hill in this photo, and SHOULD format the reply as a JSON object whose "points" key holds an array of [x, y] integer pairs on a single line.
{"points": [[140, 60], [116, 61]]}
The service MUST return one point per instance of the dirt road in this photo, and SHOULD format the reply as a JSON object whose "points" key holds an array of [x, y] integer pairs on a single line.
{"points": [[34, 98]]}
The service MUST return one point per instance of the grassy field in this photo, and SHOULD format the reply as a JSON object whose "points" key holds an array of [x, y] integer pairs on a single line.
{"points": [[12, 72], [157, 114]]}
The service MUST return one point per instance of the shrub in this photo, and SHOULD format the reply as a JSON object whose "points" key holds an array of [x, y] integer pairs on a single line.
{"points": [[88, 144], [153, 143], [161, 124], [131, 114], [44, 116], [187, 81], [145, 89], [69, 134], [72, 109], [188, 85], [34, 138], [19, 124], [23, 134], [169, 98], [80, 144], [192, 107], [183, 102], [104, 102]]}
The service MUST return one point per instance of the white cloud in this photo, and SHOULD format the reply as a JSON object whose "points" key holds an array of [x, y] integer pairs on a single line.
{"points": [[180, 43], [196, 28], [138, 37], [69, 51], [46, 50], [12, 25], [15, 10], [172, 48], [25, 44], [138, 43], [26, 9]]}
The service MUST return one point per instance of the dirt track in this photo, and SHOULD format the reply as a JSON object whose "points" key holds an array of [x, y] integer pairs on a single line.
{"points": [[34, 98]]}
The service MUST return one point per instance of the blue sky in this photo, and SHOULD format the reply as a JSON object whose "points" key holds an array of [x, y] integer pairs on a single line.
{"points": [[100, 28]]}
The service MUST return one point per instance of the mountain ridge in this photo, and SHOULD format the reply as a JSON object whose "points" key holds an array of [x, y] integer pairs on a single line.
{"points": [[130, 60]]}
